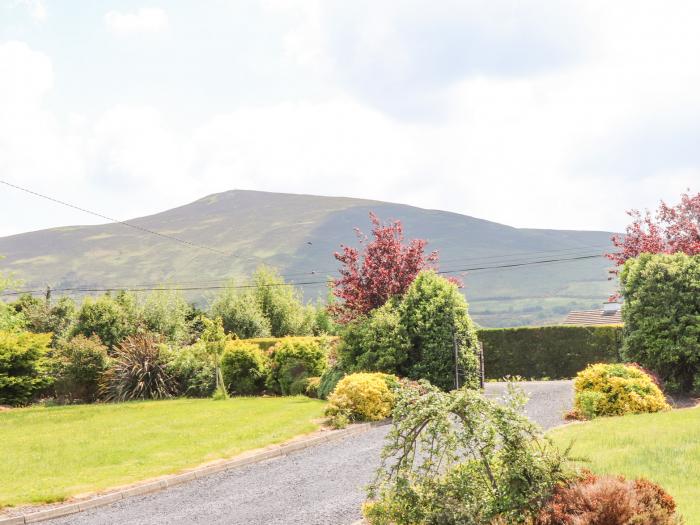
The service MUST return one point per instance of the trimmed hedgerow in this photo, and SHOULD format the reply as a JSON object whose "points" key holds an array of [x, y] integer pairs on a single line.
{"points": [[554, 352]]}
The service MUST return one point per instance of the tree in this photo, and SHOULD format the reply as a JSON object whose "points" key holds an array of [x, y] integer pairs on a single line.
{"points": [[165, 312], [384, 268], [672, 229], [662, 316], [436, 319], [43, 317], [110, 318], [281, 304], [214, 340], [240, 313]]}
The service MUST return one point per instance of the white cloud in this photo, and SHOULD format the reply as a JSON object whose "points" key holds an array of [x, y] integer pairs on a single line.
{"points": [[35, 8], [546, 143], [143, 20]]}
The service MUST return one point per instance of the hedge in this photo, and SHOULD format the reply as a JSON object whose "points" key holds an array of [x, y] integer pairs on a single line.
{"points": [[554, 352], [265, 343]]}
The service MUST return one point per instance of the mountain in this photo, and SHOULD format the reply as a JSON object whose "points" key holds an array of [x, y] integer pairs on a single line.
{"points": [[298, 234]]}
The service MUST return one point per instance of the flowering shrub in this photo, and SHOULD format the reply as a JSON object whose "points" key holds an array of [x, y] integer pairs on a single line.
{"points": [[609, 500], [361, 397], [615, 390]]}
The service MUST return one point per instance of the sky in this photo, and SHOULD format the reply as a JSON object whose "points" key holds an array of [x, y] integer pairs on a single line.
{"points": [[541, 114]]}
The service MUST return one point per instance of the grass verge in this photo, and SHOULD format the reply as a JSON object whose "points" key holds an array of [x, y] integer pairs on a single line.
{"points": [[50, 454], [663, 447]]}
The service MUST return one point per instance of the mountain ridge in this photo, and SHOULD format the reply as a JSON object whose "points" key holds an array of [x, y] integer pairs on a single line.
{"points": [[298, 233]]}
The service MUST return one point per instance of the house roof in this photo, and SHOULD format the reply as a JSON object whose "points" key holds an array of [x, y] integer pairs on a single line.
{"points": [[593, 317]]}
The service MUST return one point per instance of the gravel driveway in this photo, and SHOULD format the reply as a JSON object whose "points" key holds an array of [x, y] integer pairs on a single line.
{"points": [[320, 485]]}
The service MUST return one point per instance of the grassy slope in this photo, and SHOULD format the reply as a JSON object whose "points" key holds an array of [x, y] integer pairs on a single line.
{"points": [[276, 229], [49, 454], [663, 447]]}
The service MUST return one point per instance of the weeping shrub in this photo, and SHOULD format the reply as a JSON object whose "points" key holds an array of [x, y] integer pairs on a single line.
{"points": [[243, 368], [139, 371]]}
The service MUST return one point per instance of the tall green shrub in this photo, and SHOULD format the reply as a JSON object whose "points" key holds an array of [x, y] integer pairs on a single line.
{"points": [[555, 352], [435, 316], [23, 366], [193, 370], [377, 342], [243, 368], [78, 365], [165, 312], [110, 318], [241, 314], [292, 361], [281, 305], [662, 317]]}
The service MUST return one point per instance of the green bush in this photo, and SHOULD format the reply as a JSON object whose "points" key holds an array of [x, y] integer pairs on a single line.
{"points": [[192, 370], [460, 458], [281, 305], [165, 313], [375, 343], [266, 343], [22, 366], [436, 319], [241, 314], [138, 371], [112, 319], [293, 361], [662, 317], [616, 390], [243, 368], [329, 379], [312, 385], [78, 366], [416, 336], [554, 352]]}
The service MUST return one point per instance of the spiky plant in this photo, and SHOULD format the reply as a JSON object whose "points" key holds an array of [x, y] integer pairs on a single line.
{"points": [[138, 371]]}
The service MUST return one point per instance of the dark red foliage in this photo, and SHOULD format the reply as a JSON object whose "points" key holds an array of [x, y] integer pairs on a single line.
{"points": [[608, 500], [673, 229], [384, 268]]}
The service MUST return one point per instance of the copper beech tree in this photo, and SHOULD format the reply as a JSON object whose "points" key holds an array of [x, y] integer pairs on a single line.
{"points": [[384, 267], [672, 229]]}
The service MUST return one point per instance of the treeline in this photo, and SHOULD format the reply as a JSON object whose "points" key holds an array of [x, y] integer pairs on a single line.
{"points": [[266, 306]]}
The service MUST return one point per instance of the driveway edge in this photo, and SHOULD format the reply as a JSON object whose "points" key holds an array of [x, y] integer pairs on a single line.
{"points": [[172, 480]]}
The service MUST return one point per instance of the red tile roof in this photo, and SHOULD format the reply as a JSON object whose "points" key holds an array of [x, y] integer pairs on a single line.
{"points": [[593, 317]]}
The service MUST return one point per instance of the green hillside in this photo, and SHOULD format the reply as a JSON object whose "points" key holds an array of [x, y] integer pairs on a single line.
{"points": [[298, 234]]}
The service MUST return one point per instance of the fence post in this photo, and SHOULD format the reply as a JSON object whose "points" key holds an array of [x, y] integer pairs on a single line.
{"points": [[482, 375]]}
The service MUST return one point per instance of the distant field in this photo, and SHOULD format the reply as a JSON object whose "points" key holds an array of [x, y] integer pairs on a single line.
{"points": [[663, 447], [50, 454]]}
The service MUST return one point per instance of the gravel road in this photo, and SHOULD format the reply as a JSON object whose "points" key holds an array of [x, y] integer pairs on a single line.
{"points": [[320, 485]]}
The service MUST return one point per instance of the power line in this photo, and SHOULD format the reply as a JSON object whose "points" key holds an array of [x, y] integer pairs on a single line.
{"points": [[140, 228], [303, 283]]}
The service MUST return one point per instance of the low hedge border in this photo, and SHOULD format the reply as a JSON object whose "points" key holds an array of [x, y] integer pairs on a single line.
{"points": [[552, 352], [148, 487]]}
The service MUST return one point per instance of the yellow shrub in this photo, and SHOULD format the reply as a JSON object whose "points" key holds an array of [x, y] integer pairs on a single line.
{"points": [[615, 390], [361, 397]]}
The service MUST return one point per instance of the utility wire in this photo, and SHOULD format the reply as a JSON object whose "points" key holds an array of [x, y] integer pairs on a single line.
{"points": [[140, 228], [303, 283]]}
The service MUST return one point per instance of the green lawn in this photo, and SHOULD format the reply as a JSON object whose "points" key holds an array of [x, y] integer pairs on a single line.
{"points": [[49, 454], [663, 447]]}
